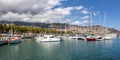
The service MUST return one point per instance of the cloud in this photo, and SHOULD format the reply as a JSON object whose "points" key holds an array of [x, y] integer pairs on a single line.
{"points": [[78, 7], [76, 23], [83, 22], [65, 21], [96, 13], [55, 15], [16, 17], [85, 17], [38, 10], [45, 11], [50, 16], [85, 11], [27, 6]]}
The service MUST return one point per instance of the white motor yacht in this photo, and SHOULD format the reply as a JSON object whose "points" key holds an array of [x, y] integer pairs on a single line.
{"points": [[48, 38], [109, 36]]}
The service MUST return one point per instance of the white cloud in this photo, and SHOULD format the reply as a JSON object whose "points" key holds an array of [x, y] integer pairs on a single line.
{"points": [[55, 15], [76, 23], [84, 22], [96, 13], [85, 11], [85, 17], [38, 11], [27, 6], [50, 16], [66, 21], [79, 7], [16, 17]]}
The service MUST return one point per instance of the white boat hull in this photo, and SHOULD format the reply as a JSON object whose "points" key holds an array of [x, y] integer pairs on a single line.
{"points": [[108, 38], [47, 39]]}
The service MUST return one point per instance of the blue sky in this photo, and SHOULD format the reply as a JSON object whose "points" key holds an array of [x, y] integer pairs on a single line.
{"points": [[111, 7], [75, 12]]}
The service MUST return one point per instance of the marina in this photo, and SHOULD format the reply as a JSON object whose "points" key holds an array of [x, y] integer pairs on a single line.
{"points": [[65, 50], [59, 30]]}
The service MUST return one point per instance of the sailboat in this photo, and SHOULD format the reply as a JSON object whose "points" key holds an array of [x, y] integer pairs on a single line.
{"points": [[107, 36], [3, 40], [14, 39], [91, 37]]}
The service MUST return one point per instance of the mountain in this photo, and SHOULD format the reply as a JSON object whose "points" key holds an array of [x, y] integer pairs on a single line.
{"points": [[19, 23], [97, 29]]}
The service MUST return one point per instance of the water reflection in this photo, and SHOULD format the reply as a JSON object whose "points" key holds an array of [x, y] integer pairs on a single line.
{"points": [[14, 51], [66, 50], [108, 43], [49, 45]]}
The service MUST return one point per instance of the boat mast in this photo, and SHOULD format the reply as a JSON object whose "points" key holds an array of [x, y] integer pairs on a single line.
{"points": [[11, 32], [90, 20], [88, 27], [104, 23]]}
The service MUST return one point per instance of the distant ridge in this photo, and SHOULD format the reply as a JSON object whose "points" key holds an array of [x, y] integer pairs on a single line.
{"points": [[63, 26], [19, 23]]}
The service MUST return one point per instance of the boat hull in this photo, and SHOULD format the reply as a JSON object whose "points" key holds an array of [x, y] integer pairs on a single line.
{"points": [[49, 40], [3, 42], [81, 38], [91, 39], [15, 41], [108, 38]]}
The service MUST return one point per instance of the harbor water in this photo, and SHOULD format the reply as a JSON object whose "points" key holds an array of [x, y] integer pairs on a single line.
{"points": [[65, 50]]}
